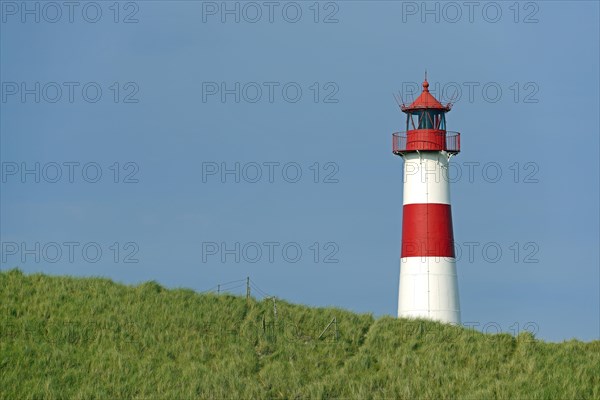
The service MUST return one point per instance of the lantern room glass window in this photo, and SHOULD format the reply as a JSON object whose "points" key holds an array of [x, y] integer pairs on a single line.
{"points": [[426, 119]]}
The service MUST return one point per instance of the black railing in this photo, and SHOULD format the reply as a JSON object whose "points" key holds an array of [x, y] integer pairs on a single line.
{"points": [[401, 143]]}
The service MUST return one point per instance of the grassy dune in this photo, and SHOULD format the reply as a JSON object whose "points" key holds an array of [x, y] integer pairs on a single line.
{"points": [[88, 338]]}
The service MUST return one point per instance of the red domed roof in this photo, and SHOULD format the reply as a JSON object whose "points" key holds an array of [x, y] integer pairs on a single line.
{"points": [[426, 100]]}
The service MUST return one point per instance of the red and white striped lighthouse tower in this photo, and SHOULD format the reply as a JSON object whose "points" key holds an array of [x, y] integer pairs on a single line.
{"points": [[428, 280]]}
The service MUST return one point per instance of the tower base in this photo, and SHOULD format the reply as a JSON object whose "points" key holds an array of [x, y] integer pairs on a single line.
{"points": [[429, 289]]}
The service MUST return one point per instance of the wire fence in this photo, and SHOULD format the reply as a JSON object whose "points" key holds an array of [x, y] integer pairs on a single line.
{"points": [[247, 285]]}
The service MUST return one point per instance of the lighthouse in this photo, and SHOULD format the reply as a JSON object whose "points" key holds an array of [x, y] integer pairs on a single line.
{"points": [[428, 279]]}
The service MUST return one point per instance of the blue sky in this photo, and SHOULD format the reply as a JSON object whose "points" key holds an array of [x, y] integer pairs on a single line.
{"points": [[162, 117]]}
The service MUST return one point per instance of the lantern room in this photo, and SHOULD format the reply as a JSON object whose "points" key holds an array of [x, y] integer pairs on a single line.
{"points": [[426, 127], [425, 119]]}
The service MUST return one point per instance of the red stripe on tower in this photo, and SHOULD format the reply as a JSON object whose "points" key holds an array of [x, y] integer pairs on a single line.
{"points": [[427, 231]]}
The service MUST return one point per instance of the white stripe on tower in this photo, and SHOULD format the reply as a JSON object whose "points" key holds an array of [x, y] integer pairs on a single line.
{"points": [[428, 279]]}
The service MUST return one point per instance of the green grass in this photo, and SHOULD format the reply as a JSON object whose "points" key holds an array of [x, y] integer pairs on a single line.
{"points": [[90, 338]]}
